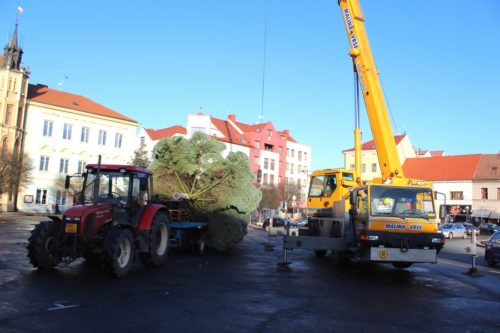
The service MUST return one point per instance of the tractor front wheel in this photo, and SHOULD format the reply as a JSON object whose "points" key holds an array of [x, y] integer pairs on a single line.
{"points": [[119, 251], [158, 241], [42, 245]]}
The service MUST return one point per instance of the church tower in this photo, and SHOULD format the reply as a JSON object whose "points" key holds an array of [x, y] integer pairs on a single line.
{"points": [[13, 95]]}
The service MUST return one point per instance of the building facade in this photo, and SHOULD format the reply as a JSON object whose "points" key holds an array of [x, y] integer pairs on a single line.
{"points": [[463, 181], [64, 132], [370, 167], [274, 155]]}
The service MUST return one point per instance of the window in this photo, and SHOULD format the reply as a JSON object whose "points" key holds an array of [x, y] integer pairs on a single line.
{"points": [[63, 165], [102, 137], [374, 167], [143, 140], [61, 197], [288, 152], [8, 114], [498, 193], [272, 164], [257, 144], [363, 167], [81, 166], [256, 160], [484, 193], [299, 168], [305, 156], [291, 168], [300, 156], [271, 179], [265, 179], [41, 196], [269, 134], [44, 163], [351, 166], [85, 135], [266, 163], [47, 127], [67, 131], [118, 140], [456, 195], [293, 153], [288, 167], [280, 149]]}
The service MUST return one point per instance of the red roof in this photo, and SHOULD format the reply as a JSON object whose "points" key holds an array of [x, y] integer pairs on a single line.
{"points": [[230, 133], [458, 167], [370, 145], [43, 94], [169, 131]]}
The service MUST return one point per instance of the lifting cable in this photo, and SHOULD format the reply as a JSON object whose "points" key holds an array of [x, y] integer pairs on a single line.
{"points": [[264, 64]]}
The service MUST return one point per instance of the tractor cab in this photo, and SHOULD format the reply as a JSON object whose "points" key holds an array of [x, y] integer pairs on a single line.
{"points": [[125, 189]]}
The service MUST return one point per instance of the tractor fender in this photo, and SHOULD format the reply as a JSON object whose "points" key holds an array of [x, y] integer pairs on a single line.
{"points": [[147, 217], [56, 219], [142, 233]]}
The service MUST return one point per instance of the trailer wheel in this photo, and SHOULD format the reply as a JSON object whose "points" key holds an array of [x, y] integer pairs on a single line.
{"points": [[42, 245], [401, 264], [118, 252], [158, 241], [199, 245]]}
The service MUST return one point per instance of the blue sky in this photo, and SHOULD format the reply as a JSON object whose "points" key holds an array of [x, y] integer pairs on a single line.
{"points": [[159, 61]]}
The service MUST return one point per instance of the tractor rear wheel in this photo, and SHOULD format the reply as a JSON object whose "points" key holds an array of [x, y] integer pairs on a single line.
{"points": [[119, 251], [158, 241], [42, 245]]}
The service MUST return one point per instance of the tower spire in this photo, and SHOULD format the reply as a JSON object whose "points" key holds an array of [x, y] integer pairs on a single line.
{"points": [[12, 52]]}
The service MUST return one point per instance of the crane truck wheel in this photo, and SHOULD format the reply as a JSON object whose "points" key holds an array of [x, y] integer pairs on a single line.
{"points": [[119, 251], [401, 264], [42, 245], [158, 241]]}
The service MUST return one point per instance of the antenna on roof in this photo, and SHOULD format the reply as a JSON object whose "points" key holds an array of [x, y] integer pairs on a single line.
{"points": [[62, 79]]}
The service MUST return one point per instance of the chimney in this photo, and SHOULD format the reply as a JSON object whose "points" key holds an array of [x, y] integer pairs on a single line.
{"points": [[232, 117]]}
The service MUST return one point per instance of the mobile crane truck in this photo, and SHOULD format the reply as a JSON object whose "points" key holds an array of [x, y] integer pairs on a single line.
{"points": [[391, 219]]}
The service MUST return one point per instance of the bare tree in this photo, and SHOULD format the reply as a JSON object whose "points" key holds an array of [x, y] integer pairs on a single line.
{"points": [[270, 197], [15, 172]]}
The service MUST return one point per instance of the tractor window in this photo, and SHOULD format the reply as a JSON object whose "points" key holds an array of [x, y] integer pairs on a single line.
{"points": [[140, 194]]}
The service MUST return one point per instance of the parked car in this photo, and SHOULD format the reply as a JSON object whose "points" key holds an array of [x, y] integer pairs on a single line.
{"points": [[469, 227], [277, 226], [453, 230], [492, 249], [488, 228]]}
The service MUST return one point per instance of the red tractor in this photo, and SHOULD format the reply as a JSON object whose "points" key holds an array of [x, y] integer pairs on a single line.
{"points": [[113, 221]]}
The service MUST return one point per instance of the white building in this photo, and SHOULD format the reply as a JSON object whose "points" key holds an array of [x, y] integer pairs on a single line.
{"points": [[64, 132], [464, 180]]}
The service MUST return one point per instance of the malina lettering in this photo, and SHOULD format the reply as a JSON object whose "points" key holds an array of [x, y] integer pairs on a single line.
{"points": [[348, 19], [395, 226]]}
